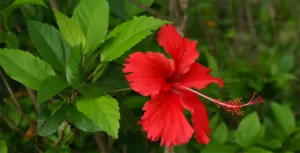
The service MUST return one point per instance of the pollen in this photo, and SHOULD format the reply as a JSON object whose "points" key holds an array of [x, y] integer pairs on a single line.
{"points": [[233, 106]]}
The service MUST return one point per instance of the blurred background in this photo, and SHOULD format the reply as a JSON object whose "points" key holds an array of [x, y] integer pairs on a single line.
{"points": [[252, 44]]}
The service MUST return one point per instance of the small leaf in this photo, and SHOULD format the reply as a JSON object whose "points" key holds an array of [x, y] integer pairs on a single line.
{"points": [[69, 29], [50, 87], [287, 63], [214, 147], [212, 63], [92, 16], [127, 35], [214, 121], [221, 134], [50, 126], [49, 43], [24, 67], [81, 121], [104, 112], [133, 10], [10, 39], [284, 117], [17, 3], [91, 90], [257, 150], [248, 130], [99, 70], [3, 147], [273, 144], [294, 144]]}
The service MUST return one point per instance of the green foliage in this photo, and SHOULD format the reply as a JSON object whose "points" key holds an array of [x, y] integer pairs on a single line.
{"points": [[24, 67], [50, 87], [103, 111], [248, 130], [127, 35], [69, 29], [49, 43], [92, 16], [284, 118], [3, 146], [17, 3]]}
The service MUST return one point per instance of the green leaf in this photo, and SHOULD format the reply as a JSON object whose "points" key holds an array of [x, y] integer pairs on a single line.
{"points": [[287, 63], [273, 144], [11, 113], [294, 144], [49, 43], [214, 147], [248, 130], [55, 105], [134, 101], [214, 121], [257, 150], [24, 67], [91, 90], [99, 70], [17, 3], [133, 10], [104, 112], [127, 35], [284, 117], [73, 66], [50, 87], [212, 63], [92, 16], [50, 126], [69, 29], [221, 134], [10, 39], [81, 121], [3, 147]]}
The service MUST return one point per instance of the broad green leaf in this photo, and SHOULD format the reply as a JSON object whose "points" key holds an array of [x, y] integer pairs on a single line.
{"points": [[257, 150], [17, 3], [221, 133], [81, 121], [49, 43], [248, 130], [55, 105], [50, 126], [127, 35], [50, 87], [133, 10], [284, 117], [104, 112], [287, 63], [69, 29], [3, 147], [24, 67], [92, 16], [73, 66], [214, 147]]}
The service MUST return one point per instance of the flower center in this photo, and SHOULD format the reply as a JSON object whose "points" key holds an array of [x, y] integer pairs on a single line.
{"points": [[233, 106]]}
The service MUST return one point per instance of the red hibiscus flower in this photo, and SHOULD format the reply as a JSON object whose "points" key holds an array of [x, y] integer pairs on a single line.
{"points": [[169, 84]]}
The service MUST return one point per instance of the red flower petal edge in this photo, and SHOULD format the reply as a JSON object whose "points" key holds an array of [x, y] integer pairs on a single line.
{"points": [[169, 83]]}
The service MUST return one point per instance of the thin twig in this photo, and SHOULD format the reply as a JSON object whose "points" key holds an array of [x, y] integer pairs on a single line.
{"points": [[33, 99], [100, 140], [53, 4], [18, 106], [61, 134], [9, 121], [148, 9]]}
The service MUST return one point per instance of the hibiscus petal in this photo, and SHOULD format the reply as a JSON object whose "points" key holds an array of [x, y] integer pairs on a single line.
{"points": [[182, 50], [164, 118], [200, 120], [198, 77], [148, 72]]}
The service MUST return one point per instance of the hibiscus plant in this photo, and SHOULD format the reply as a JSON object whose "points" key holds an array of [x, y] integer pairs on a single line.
{"points": [[86, 76]]}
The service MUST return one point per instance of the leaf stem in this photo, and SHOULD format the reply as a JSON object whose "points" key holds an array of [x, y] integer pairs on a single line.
{"points": [[118, 90]]}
